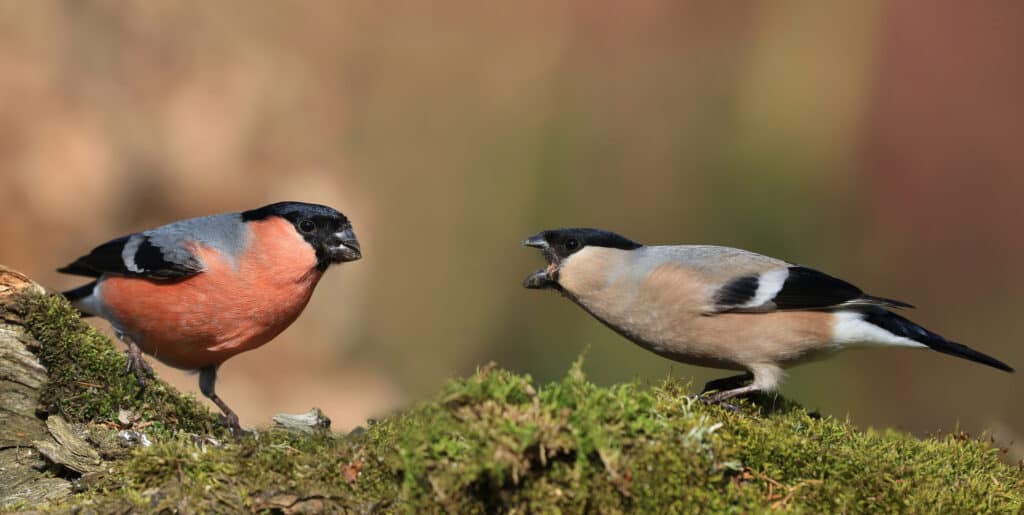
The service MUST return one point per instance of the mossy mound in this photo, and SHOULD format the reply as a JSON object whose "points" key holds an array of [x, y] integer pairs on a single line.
{"points": [[497, 442]]}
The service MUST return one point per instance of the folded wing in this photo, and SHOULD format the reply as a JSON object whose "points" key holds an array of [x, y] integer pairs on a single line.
{"points": [[138, 256], [793, 288]]}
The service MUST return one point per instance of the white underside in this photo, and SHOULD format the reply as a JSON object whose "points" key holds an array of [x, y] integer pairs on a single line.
{"points": [[852, 329], [89, 304], [92, 304], [767, 376]]}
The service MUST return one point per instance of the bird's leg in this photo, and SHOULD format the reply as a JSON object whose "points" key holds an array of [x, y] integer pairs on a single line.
{"points": [[727, 383], [136, 363], [207, 379]]}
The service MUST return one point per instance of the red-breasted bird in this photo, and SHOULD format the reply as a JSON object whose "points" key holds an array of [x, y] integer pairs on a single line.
{"points": [[195, 292], [722, 307]]}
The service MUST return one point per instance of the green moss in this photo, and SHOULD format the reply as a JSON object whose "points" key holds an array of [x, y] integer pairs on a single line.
{"points": [[497, 442], [87, 374]]}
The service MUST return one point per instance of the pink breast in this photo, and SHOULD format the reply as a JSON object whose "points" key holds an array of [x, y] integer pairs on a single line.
{"points": [[229, 308]]}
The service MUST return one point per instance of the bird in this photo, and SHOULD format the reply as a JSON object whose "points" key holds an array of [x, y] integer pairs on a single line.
{"points": [[723, 307], [195, 292]]}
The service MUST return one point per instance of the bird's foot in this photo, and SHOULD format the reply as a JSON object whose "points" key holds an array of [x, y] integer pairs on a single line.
{"points": [[721, 397], [230, 420], [137, 365]]}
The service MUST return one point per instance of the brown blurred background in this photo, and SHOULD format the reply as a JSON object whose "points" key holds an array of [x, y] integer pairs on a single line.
{"points": [[881, 142]]}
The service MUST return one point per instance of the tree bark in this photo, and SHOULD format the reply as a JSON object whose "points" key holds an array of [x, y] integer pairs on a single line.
{"points": [[24, 476]]}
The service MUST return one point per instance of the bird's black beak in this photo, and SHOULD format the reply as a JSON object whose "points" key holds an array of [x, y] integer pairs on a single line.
{"points": [[347, 248], [541, 279]]}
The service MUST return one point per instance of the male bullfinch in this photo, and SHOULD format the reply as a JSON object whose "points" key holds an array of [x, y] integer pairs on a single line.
{"points": [[722, 307], [196, 292]]}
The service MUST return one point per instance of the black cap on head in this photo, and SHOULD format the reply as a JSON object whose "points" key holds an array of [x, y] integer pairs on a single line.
{"points": [[293, 210], [559, 244]]}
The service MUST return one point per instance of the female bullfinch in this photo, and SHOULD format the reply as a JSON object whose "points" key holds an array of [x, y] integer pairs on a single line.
{"points": [[722, 307], [196, 292]]}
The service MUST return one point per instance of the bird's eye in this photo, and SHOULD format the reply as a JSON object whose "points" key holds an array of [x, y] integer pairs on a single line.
{"points": [[572, 244], [307, 226]]}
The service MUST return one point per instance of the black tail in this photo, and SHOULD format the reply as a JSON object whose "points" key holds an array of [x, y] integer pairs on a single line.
{"points": [[79, 293], [900, 326]]}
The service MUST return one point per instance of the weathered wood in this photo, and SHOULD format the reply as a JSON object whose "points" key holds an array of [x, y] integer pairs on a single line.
{"points": [[311, 421], [23, 476], [68, 449]]}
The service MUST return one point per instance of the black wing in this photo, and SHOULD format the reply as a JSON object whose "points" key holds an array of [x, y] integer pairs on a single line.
{"points": [[144, 260], [800, 288]]}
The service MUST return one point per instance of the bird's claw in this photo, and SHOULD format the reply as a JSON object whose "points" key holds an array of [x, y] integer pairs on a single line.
{"points": [[712, 400], [231, 421], [138, 365]]}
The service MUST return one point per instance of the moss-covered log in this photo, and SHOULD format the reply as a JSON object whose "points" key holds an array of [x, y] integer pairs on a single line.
{"points": [[491, 442]]}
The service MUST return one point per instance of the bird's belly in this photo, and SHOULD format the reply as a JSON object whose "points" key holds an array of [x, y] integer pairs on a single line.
{"points": [[204, 319], [728, 341]]}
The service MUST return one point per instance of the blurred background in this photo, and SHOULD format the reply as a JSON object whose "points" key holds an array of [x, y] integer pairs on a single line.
{"points": [[881, 142]]}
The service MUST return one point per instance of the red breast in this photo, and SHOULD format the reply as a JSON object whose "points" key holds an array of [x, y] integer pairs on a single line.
{"points": [[233, 306]]}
